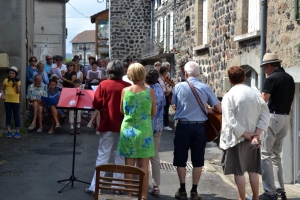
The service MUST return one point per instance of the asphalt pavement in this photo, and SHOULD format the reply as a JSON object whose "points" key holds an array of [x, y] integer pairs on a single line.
{"points": [[30, 167]]}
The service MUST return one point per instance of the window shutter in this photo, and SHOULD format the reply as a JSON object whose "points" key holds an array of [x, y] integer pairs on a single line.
{"points": [[155, 4], [161, 34], [165, 32], [204, 24], [253, 15], [171, 31]]}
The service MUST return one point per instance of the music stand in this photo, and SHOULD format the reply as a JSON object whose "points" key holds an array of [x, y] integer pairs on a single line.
{"points": [[75, 99]]}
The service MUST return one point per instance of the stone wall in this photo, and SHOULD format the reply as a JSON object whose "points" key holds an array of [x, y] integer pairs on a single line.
{"points": [[226, 20], [283, 32], [130, 26]]}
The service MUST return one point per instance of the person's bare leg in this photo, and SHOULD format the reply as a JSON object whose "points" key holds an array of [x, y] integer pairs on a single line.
{"points": [[196, 175], [254, 182], [52, 124], [144, 164], [240, 184], [40, 115], [35, 112], [54, 114], [181, 172], [131, 162]]}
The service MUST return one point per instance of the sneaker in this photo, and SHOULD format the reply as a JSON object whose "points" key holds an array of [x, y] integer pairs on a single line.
{"points": [[97, 133], [90, 192], [31, 127], [8, 134], [167, 128], [40, 130], [78, 130], [17, 135], [180, 195], [195, 196], [265, 196], [281, 195]]}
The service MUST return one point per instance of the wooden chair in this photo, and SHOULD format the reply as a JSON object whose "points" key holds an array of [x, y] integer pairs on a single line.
{"points": [[129, 185]]}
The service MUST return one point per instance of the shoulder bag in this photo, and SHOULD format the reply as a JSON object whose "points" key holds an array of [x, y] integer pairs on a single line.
{"points": [[214, 122]]}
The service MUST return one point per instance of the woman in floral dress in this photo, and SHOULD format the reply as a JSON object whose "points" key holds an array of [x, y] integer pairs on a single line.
{"points": [[136, 135]]}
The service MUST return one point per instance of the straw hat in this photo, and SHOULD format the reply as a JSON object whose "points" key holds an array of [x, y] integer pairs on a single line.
{"points": [[14, 69], [270, 58]]}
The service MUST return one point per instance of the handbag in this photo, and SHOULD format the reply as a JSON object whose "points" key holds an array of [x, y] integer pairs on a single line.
{"points": [[214, 122]]}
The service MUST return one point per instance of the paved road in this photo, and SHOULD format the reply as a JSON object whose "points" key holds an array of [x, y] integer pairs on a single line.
{"points": [[31, 166]]}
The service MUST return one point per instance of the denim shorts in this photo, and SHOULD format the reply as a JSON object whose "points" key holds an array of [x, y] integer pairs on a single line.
{"points": [[189, 136]]}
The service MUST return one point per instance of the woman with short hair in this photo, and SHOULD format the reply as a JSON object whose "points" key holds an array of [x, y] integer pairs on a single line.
{"points": [[107, 100], [69, 77], [245, 115], [152, 76]]}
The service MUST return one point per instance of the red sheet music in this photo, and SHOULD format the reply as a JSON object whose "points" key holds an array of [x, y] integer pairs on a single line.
{"points": [[70, 99]]}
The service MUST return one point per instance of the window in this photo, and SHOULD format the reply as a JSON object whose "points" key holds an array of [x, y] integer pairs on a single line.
{"points": [[88, 47], [88, 55], [187, 23], [251, 77], [80, 46], [253, 15], [103, 29], [80, 56]]}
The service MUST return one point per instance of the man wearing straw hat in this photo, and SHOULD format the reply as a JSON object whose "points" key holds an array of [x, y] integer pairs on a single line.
{"points": [[278, 91]]}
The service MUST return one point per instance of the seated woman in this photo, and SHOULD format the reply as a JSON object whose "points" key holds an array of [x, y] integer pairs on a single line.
{"points": [[53, 92], [245, 115]]}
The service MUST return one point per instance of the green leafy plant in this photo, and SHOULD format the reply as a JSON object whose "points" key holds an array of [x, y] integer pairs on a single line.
{"points": [[298, 46]]}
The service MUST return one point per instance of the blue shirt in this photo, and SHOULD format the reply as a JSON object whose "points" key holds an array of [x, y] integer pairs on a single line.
{"points": [[29, 74], [157, 121], [44, 76], [47, 67], [187, 107]]}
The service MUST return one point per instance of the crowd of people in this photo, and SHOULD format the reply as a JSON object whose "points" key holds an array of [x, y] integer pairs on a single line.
{"points": [[132, 102]]}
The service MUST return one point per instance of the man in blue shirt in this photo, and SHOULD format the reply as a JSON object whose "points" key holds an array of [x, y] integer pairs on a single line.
{"points": [[48, 64], [190, 130]]}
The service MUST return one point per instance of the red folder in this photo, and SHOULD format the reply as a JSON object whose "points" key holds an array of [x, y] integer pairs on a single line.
{"points": [[76, 98]]}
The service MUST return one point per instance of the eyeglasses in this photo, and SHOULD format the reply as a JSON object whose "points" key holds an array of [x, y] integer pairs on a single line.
{"points": [[33, 61], [49, 59]]}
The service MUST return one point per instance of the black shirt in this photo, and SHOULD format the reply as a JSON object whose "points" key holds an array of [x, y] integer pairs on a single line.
{"points": [[68, 76], [281, 87]]}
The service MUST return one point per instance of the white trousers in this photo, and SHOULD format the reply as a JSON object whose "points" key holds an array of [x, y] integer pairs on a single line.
{"points": [[71, 116], [104, 150]]}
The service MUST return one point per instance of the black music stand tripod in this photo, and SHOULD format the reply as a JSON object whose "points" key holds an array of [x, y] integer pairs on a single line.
{"points": [[73, 178]]}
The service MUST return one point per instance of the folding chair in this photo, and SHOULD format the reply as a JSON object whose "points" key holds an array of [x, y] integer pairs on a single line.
{"points": [[128, 185]]}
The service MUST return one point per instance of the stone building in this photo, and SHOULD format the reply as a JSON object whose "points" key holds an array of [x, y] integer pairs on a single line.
{"points": [[159, 44], [49, 28], [218, 34], [130, 23], [83, 45], [16, 45]]}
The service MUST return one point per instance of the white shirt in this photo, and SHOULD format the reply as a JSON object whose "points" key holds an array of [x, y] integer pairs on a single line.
{"points": [[99, 75], [243, 109], [126, 79], [63, 67]]}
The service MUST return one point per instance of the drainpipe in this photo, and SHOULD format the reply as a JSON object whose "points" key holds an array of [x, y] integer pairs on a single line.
{"points": [[263, 40]]}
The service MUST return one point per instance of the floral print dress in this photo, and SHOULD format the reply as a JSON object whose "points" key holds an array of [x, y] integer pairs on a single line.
{"points": [[136, 136]]}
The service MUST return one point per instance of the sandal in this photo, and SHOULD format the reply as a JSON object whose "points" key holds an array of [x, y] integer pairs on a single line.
{"points": [[144, 198], [154, 192], [50, 131], [72, 132]]}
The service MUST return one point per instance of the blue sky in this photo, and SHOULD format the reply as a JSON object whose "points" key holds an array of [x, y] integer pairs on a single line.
{"points": [[78, 21]]}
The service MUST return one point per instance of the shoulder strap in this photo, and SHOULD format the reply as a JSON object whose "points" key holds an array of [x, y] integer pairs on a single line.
{"points": [[197, 97]]}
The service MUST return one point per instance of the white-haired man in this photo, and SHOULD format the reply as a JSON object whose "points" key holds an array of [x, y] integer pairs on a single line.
{"points": [[190, 130]]}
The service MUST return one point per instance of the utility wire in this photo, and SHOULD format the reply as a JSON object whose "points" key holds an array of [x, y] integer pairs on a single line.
{"points": [[77, 10]]}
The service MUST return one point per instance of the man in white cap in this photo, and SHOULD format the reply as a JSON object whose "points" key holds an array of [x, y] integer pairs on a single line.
{"points": [[278, 91]]}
